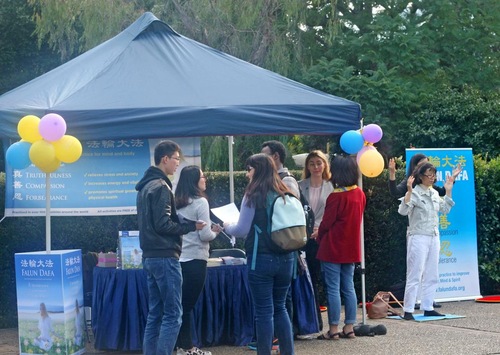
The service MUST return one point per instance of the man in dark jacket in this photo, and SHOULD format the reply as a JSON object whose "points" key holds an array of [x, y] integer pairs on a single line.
{"points": [[160, 235]]}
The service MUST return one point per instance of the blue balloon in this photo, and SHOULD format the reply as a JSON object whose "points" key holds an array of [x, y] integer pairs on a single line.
{"points": [[18, 155], [351, 142]]}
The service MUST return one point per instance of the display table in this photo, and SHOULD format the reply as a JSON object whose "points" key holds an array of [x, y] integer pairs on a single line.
{"points": [[223, 314]]}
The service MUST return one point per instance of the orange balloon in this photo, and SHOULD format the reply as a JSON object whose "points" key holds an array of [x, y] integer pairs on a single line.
{"points": [[371, 163]]}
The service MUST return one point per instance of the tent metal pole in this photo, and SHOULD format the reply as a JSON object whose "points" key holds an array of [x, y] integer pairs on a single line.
{"points": [[230, 143], [363, 285], [363, 270], [47, 212]]}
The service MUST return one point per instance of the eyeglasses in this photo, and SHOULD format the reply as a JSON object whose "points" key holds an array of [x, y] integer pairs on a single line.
{"points": [[433, 176], [175, 158], [249, 168]]}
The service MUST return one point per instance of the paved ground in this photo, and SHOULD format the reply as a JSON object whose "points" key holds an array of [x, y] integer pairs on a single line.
{"points": [[477, 333]]}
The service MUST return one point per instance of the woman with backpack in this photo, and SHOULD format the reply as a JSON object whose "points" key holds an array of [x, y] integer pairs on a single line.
{"points": [[269, 272], [339, 238]]}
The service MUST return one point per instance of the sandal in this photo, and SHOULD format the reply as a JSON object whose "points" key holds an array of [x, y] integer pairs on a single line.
{"points": [[329, 336], [348, 335]]}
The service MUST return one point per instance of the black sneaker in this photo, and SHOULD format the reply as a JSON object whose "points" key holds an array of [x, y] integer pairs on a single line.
{"points": [[433, 314], [434, 305], [253, 345], [408, 316]]}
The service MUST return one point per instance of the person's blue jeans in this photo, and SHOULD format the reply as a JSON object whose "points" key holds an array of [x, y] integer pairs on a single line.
{"points": [[338, 279], [269, 284], [165, 307]]}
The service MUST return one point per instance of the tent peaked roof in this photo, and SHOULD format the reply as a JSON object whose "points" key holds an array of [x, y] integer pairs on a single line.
{"points": [[150, 82]]}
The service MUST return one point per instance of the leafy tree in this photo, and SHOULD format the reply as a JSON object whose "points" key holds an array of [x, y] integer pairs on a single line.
{"points": [[390, 56], [381, 94], [263, 32], [459, 118], [214, 151], [278, 35], [464, 36], [20, 58], [426, 41], [73, 26]]}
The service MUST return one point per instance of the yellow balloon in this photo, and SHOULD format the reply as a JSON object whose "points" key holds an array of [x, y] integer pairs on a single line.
{"points": [[68, 149], [42, 153], [28, 128], [49, 167], [371, 163]]}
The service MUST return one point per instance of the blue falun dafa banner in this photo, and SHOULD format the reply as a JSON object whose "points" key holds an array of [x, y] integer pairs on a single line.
{"points": [[101, 182], [458, 265]]}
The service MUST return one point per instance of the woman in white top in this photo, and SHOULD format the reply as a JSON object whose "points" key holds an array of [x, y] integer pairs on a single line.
{"points": [[192, 204], [316, 186], [421, 204]]}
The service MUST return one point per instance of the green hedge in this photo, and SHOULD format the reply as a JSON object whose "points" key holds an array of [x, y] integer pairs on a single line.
{"points": [[487, 180], [384, 231]]}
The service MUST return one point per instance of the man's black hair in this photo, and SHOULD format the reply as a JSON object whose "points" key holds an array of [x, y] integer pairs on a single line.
{"points": [[276, 147]]}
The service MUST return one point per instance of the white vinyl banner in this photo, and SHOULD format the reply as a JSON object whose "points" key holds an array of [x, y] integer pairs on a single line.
{"points": [[458, 265]]}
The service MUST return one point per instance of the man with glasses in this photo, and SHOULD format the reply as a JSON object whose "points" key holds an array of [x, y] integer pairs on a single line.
{"points": [[160, 237]]}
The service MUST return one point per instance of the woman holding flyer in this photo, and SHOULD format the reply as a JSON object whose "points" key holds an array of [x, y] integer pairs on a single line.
{"points": [[192, 204]]}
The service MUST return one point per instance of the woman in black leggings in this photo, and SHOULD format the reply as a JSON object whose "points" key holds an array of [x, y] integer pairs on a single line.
{"points": [[192, 204]]}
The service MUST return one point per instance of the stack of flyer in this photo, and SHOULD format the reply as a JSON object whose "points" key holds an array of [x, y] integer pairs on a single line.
{"points": [[230, 260], [214, 262], [130, 250]]}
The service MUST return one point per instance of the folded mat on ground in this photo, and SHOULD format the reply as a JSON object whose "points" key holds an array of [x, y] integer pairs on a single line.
{"points": [[422, 318], [489, 299]]}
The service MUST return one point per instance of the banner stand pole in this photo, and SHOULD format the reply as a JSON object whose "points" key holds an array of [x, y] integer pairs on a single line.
{"points": [[47, 212], [230, 143]]}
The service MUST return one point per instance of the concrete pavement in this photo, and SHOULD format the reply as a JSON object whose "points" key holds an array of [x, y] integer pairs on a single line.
{"points": [[477, 334]]}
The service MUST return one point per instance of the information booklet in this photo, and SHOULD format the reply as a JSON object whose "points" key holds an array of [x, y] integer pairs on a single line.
{"points": [[130, 250]]}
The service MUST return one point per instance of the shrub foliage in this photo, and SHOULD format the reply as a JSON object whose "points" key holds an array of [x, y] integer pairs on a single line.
{"points": [[384, 233]]}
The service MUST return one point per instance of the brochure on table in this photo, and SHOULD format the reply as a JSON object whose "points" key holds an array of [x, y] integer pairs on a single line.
{"points": [[130, 250]]}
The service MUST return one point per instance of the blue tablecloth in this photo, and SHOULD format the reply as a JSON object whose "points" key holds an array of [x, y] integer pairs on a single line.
{"points": [[223, 314], [119, 308]]}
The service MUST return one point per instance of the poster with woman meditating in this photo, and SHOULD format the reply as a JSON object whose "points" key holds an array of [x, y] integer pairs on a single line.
{"points": [[49, 302]]}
